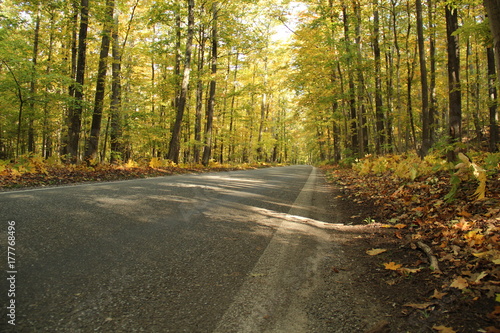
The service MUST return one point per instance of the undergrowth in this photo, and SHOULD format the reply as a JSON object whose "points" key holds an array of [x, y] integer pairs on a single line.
{"points": [[35, 171]]}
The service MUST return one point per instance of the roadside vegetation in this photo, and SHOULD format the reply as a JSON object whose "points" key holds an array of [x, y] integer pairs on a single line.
{"points": [[38, 172]]}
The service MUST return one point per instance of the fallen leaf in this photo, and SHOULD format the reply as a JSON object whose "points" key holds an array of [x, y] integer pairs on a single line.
{"points": [[374, 252], [443, 329], [421, 306], [257, 274], [492, 255], [460, 283], [497, 298], [465, 214], [410, 270], [438, 295], [479, 276], [392, 266]]}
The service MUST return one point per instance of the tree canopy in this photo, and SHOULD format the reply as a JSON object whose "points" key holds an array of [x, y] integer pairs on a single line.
{"points": [[243, 81]]}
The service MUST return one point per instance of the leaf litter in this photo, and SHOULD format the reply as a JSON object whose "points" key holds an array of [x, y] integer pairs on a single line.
{"points": [[462, 233]]}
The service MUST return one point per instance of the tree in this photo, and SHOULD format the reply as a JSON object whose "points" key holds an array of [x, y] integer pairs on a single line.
{"points": [[207, 151], [379, 111], [174, 148], [95, 131], [454, 89], [426, 124], [76, 109], [493, 10], [493, 96]]}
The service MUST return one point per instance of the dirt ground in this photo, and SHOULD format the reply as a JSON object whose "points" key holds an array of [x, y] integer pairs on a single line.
{"points": [[417, 300]]}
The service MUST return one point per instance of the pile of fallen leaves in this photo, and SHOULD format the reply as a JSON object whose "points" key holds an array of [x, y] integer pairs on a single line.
{"points": [[35, 171], [432, 209]]}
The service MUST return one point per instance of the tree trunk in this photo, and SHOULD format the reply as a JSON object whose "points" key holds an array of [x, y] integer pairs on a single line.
{"points": [[207, 151], [64, 148], [75, 116], [426, 125], [174, 147], [493, 100], [432, 75], [379, 111], [362, 116], [33, 86], [95, 131], [455, 94], [352, 98], [47, 131], [199, 97], [115, 109], [493, 10]]}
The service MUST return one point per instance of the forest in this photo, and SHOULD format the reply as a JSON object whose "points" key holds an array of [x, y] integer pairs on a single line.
{"points": [[241, 81]]}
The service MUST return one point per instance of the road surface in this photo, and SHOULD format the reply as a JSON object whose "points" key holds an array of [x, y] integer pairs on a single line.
{"points": [[217, 252]]}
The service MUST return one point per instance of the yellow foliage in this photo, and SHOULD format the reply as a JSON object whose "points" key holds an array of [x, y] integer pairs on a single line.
{"points": [[464, 169], [155, 163], [131, 164]]}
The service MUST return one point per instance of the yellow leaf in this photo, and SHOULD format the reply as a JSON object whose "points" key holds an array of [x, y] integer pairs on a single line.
{"points": [[443, 329], [480, 276], [460, 283], [374, 252], [497, 298], [392, 266], [410, 270], [421, 306], [155, 163], [492, 255], [400, 226]]}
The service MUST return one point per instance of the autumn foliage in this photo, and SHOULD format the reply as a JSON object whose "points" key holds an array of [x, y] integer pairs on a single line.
{"points": [[35, 171]]}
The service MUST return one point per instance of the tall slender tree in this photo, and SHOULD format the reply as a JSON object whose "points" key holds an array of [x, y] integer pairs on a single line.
{"points": [[207, 151], [174, 147], [454, 88], [426, 125], [75, 115], [95, 130], [493, 10]]}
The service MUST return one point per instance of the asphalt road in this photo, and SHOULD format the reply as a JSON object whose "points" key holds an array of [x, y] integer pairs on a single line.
{"points": [[217, 252]]}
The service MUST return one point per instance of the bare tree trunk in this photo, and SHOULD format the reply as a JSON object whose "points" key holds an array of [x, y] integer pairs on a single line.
{"points": [[47, 132], [493, 102], [95, 131], [432, 75], [426, 125], [33, 86], [362, 118], [199, 97], [379, 111], [455, 94], [75, 116], [493, 10], [174, 147], [116, 132], [207, 151], [64, 144], [352, 98]]}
